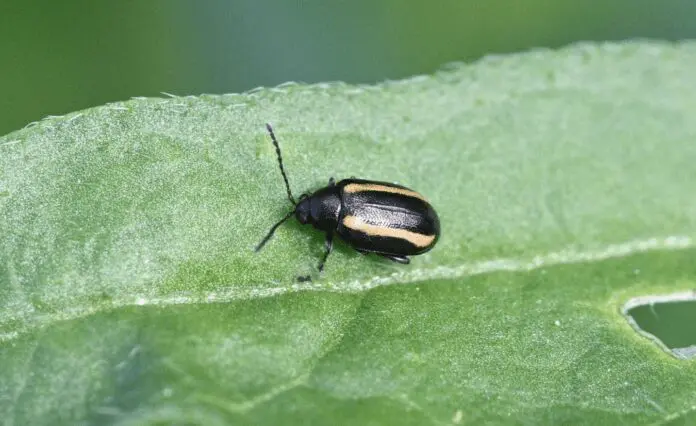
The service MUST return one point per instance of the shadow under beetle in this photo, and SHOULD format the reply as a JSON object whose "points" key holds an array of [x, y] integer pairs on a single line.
{"points": [[372, 217]]}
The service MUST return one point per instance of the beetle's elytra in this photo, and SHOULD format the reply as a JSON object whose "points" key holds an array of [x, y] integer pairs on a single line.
{"points": [[372, 217]]}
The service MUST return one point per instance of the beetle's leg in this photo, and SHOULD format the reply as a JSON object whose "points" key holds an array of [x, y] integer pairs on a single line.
{"points": [[398, 259], [328, 246], [363, 252], [332, 181]]}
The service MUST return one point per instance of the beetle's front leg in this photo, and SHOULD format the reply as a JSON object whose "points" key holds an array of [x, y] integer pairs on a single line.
{"points": [[328, 246], [332, 181]]}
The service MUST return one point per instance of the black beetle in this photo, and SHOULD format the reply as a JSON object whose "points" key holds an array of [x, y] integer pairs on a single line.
{"points": [[372, 217]]}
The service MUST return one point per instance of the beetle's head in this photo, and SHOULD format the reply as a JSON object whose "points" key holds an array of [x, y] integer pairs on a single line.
{"points": [[302, 210]]}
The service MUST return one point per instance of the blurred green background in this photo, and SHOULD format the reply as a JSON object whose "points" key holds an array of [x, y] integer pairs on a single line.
{"points": [[671, 322], [59, 57]]}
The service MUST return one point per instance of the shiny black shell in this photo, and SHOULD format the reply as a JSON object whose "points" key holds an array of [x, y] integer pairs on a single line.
{"points": [[373, 216]]}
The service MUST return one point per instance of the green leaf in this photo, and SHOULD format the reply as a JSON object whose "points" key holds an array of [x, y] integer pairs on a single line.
{"points": [[564, 181]]}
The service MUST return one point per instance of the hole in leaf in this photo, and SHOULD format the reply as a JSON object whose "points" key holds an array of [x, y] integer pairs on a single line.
{"points": [[667, 320]]}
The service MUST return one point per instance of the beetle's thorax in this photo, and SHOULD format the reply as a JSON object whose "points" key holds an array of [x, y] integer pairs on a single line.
{"points": [[321, 209]]}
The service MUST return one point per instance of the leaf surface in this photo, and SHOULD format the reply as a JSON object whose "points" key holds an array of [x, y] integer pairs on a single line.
{"points": [[564, 181]]}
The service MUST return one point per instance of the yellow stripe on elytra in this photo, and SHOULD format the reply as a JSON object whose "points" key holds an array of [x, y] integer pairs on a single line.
{"points": [[364, 187], [418, 240]]}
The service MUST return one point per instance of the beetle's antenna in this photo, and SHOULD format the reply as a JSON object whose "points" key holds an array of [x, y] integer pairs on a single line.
{"points": [[280, 161], [273, 229]]}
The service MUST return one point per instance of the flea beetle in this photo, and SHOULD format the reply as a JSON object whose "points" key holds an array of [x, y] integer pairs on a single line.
{"points": [[372, 217]]}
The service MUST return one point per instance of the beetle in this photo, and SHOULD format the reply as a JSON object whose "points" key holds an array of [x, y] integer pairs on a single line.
{"points": [[371, 216]]}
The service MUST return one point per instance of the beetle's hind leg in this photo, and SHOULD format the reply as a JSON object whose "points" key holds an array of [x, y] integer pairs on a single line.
{"points": [[394, 258], [398, 259]]}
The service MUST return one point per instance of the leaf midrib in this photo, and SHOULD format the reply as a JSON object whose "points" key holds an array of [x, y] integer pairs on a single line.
{"points": [[410, 276]]}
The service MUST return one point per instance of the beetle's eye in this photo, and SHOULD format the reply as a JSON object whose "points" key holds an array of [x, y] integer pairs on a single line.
{"points": [[302, 216]]}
